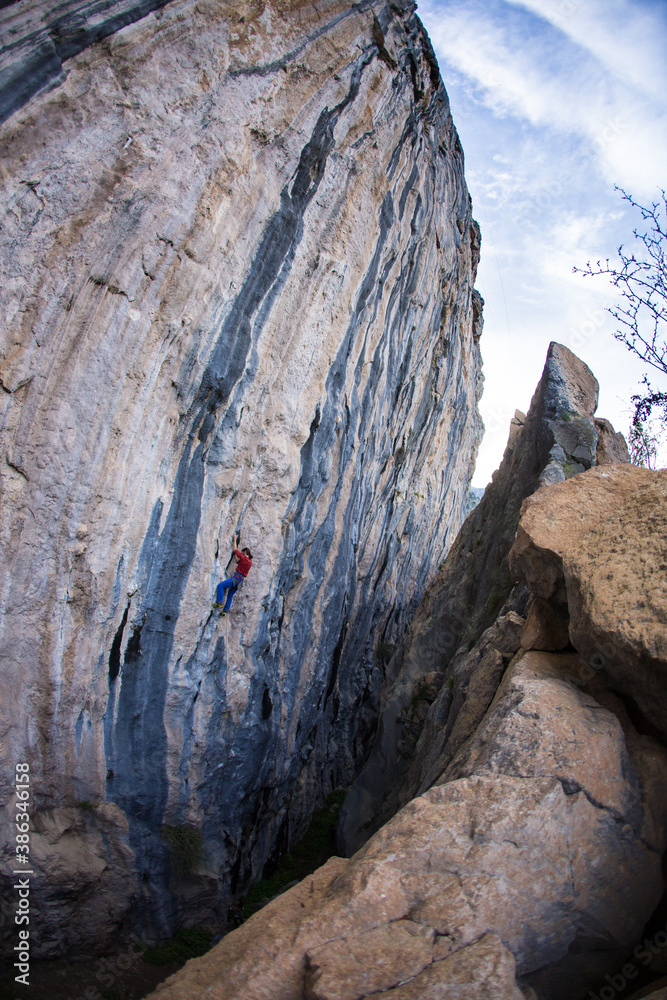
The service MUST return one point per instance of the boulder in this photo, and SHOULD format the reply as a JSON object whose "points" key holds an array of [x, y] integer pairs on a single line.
{"points": [[482, 971], [599, 543], [82, 886], [540, 844], [460, 706], [546, 626], [369, 962], [612, 447]]}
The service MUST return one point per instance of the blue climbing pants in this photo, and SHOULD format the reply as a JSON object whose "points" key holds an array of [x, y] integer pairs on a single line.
{"points": [[232, 585]]}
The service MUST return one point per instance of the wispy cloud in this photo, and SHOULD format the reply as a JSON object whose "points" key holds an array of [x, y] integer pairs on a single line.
{"points": [[556, 101], [628, 38], [597, 73]]}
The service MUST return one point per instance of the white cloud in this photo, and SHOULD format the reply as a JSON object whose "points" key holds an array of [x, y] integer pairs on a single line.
{"points": [[549, 122], [627, 38], [580, 74]]}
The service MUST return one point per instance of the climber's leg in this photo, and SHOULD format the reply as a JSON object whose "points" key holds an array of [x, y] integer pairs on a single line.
{"points": [[230, 596], [220, 592]]}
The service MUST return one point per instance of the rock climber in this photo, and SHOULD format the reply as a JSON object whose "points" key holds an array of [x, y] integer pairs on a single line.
{"points": [[236, 580]]}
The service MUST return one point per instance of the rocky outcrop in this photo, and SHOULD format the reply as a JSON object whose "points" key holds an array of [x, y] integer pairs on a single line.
{"points": [[425, 685], [238, 261], [564, 547], [611, 445], [532, 864], [82, 875]]}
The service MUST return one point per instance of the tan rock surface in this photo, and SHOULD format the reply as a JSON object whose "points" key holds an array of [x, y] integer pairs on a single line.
{"points": [[600, 542], [546, 834], [542, 722], [546, 627], [612, 447], [482, 971], [369, 962]]}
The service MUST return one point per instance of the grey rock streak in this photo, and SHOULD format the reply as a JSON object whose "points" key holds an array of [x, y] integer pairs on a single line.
{"points": [[238, 282]]}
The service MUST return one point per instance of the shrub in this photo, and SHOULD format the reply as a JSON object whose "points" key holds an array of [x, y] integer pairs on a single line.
{"points": [[384, 652], [316, 847], [190, 942], [186, 847]]}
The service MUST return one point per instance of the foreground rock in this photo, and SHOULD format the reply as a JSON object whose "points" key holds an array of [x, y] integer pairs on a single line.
{"points": [[237, 264], [599, 547], [425, 686], [534, 860]]}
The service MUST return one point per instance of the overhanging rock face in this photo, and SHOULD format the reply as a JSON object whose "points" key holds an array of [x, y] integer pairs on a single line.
{"points": [[238, 265]]}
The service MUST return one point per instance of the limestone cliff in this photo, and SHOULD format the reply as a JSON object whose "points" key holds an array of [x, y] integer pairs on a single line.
{"points": [[238, 261]]}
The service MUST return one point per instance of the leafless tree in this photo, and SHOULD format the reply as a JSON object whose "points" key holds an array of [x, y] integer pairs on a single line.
{"points": [[641, 278]]}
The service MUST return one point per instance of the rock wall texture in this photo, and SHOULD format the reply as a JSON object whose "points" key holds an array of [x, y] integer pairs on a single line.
{"points": [[38, 37], [618, 618], [533, 862], [558, 439], [237, 281]]}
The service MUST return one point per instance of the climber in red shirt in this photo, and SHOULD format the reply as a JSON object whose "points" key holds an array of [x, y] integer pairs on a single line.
{"points": [[236, 580]]}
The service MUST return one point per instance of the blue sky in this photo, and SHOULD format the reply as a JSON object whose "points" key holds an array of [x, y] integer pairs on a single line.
{"points": [[556, 101]]}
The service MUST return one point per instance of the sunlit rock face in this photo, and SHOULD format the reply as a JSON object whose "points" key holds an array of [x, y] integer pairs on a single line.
{"points": [[237, 281]]}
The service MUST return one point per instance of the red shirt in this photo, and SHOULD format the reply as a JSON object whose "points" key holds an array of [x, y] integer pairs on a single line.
{"points": [[244, 563]]}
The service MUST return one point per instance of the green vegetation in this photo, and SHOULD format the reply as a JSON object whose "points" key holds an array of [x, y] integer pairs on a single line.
{"points": [[369, 824], [422, 692], [316, 847], [190, 942], [496, 601], [384, 652], [186, 846]]}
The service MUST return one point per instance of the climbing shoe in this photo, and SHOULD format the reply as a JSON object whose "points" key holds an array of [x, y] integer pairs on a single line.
{"points": [[216, 605], [222, 614]]}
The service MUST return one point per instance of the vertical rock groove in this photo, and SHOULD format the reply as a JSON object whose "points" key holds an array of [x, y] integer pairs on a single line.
{"points": [[239, 289]]}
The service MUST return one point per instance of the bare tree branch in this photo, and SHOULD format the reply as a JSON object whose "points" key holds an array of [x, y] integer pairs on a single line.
{"points": [[641, 279]]}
